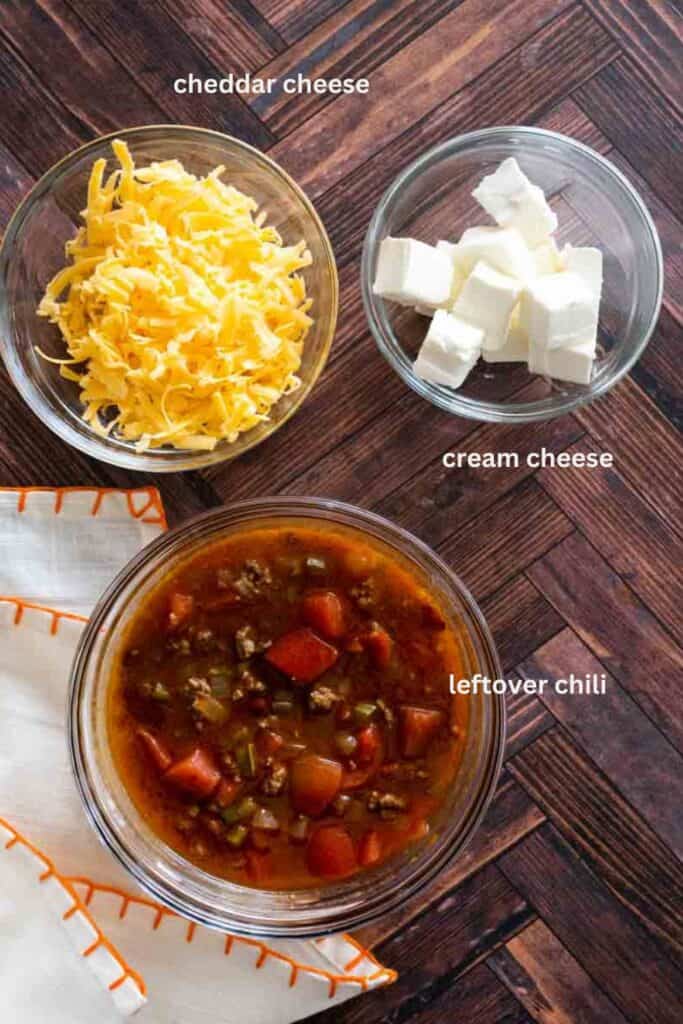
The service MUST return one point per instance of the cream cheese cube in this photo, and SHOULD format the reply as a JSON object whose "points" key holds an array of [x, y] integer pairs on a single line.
{"points": [[558, 310], [486, 301], [515, 349], [586, 262], [411, 272], [573, 364], [547, 258], [503, 248], [450, 350], [449, 249], [513, 201]]}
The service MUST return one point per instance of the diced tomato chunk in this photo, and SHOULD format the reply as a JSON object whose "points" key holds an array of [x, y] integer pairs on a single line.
{"points": [[302, 655], [325, 613], [380, 646], [156, 750], [417, 728], [259, 865], [369, 742], [314, 783], [370, 848], [195, 775], [269, 742], [227, 792], [330, 852], [180, 608]]}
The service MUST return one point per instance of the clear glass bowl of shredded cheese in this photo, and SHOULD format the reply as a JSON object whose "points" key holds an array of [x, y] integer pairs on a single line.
{"points": [[168, 298], [596, 206]]}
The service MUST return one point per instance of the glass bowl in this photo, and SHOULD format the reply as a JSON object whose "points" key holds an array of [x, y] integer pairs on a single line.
{"points": [[33, 250], [213, 901], [431, 199]]}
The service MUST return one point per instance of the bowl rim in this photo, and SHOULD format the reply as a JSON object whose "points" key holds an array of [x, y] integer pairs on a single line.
{"points": [[153, 460], [445, 398], [80, 698]]}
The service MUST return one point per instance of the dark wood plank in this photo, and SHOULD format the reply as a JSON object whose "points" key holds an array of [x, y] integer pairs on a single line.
{"points": [[669, 231], [647, 450], [76, 68], [15, 182], [623, 634], [517, 89], [510, 536], [431, 952], [527, 718], [352, 43], [568, 119], [600, 933], [438, 500], [477, 998], [547, 980], [24, 133], [636, 542], [615, 733], [657, 371], [233, 36], [510, 816], [156, 52], [520, 619], [650, 34], [294, 18], [621, 101], [404, 89], [611, 837]]}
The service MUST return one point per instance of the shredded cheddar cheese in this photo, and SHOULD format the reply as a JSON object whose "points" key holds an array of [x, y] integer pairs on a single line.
{"points": [[183, 312]]}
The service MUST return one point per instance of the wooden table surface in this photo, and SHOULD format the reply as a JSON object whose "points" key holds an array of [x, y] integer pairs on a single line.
{"points": [[566, 907]]}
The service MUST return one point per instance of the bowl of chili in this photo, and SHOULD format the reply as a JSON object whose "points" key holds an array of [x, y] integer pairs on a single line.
{"points": [[261, 722]]}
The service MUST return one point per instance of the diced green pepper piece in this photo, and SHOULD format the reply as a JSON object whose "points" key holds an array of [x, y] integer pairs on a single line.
{"points": [[364, 711], [237, 836], [160, 693], [245, 755], [242, 811], [283, 702]]}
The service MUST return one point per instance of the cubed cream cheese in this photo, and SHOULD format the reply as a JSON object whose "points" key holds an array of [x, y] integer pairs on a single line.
{"points": [[449, 249], [411, 272], [515, 348], [558, 310], [486, 301], [503, 248], [509, 197], [547, 258], [450, 350], [573, 364], [586, 262]]}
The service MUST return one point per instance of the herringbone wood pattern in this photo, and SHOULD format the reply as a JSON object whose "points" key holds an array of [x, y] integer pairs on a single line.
{"points": [[566, 907]]}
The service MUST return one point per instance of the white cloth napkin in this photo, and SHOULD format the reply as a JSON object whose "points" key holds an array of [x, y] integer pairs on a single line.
{"points": [[80, 942]]}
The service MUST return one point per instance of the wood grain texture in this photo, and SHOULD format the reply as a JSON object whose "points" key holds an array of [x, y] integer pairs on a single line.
{"points": [[625, 636], [548, 981], [455, 51], [650, 33], [596, 820], [604, 937], [619, 88], [153, 44], [643, 548], [564, 908], [621, 740]]}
